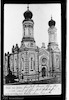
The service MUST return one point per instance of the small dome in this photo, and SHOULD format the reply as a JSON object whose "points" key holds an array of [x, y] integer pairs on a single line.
{"points": [[51, 22], [28, 14]]}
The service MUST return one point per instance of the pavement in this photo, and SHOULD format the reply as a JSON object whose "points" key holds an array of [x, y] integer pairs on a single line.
{"points": [[56, 80]]}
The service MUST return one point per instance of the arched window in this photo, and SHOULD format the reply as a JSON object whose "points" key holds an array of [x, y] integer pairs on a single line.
{"points": [[22, 64], [31, 62], [43, 72], [15, 64], [57, 62]]}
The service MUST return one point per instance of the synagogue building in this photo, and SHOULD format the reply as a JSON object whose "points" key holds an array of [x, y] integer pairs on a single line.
{"points": [[29, 62]]}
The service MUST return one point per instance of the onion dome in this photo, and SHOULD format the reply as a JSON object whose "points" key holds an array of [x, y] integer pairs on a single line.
{"points": [[28, 14], [51, 22]]}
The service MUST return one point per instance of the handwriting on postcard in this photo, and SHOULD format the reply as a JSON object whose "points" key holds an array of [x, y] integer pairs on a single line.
{"points": [[43, 89]]}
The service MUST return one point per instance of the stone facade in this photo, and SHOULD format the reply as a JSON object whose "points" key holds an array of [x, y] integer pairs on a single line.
{"points": [[29, 62]]}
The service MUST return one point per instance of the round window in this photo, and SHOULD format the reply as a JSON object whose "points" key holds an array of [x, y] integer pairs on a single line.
{"points": [[44, 61]]}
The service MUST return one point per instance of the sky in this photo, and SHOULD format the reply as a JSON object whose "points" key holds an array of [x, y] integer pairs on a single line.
{"points": [[13, 29]]}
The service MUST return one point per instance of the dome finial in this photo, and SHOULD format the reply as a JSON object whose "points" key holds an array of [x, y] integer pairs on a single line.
{"points": [[27, 6]]}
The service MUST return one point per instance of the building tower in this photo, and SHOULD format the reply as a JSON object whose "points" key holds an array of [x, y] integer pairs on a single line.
{"points": [[28, 27], [28, 49], [52, 34], [53, 47]]}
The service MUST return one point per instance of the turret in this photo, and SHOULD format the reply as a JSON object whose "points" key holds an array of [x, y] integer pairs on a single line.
{"points": [[52, 31], [28, 25]]}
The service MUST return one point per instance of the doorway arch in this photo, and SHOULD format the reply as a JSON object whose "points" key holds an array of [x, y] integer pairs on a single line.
{"points": [[43, 72]]}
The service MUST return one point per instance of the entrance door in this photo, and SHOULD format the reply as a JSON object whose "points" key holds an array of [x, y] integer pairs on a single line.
{"points": [[43, 72]]}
